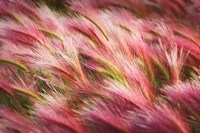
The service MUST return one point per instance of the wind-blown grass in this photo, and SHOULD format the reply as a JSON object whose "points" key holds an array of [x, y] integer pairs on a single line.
{"points": [[100, 66]]}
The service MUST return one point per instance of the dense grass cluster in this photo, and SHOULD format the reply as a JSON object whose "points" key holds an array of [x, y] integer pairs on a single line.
{"points": [[100, 66]]}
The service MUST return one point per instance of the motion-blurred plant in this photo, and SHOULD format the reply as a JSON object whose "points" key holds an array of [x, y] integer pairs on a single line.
{"points": [[99, 66]]}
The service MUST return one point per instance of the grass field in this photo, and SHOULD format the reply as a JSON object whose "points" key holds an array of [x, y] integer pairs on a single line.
{"points": [[100, 66]]}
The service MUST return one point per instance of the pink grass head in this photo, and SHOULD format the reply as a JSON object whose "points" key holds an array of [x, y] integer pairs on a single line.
{"points": [[186, 96], [158, 119]]}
